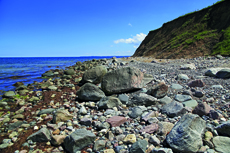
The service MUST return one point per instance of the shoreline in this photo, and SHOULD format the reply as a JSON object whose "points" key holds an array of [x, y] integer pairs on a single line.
{"points": [[61, 94]]}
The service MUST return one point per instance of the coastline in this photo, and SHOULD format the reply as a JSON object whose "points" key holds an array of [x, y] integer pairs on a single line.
{"points": [[59, 92]]}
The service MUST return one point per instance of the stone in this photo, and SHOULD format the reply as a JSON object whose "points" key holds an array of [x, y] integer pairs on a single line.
{"points": [[149, 115], [109, 102], [143, 99], [94, 75], [154, 140], [162, 150], [137, 111], [19, 116], [139, 146], [165, 100], [122, 80], [8, 94], [61, 116], [176, 86], [109, 151], [212, 71], [69, 72], [164, 128], [198, 94], [217, 86], [48, 74], [196, 83], [182, 77], [224, 129], [52, 88], [223, 73], [116, 120], [86, 121], [190, 103], [214, 114], [43, 135], [188, 67], [221, 144], [3, 104], [17, 84], [83, 110], [123, 98], [159, 91], [46, 111], [185, 136], [202, 109], [15, 125], [57, 140], [130, 138], [150, 128], [90, 92], [99, 144], [78, 140], [208, 136], [173, 109], [182, 98]]}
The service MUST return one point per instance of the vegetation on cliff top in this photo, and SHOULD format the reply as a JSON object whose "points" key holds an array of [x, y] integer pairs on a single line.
{"points": [[199, 33]]}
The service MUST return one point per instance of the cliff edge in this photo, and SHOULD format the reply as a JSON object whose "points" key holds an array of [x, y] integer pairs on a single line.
{"points": [[200, 33]]}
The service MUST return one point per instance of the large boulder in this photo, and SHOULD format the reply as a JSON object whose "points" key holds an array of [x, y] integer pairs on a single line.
{"points": [[78, 140], [123, 80], [224, 128], [224, 73], [94, 75], [109, 102], [90, 92], [185, 136], [221, 144]]}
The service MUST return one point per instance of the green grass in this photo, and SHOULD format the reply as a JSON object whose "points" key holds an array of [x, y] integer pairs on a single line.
{"points": [[223, 47]]}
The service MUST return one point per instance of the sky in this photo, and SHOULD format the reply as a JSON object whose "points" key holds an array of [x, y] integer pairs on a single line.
{"points": [[73, 28]]}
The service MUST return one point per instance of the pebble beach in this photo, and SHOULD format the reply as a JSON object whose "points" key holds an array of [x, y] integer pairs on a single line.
{"points": [[122, 105]]}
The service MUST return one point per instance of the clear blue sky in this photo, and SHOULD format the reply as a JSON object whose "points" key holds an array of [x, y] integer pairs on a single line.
{"points": [[45, 28]]}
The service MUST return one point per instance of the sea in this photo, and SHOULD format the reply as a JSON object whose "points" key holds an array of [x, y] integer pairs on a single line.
{"points": [[30, 69]]}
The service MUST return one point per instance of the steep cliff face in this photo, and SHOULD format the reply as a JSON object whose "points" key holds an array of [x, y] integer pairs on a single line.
{"points": [[205, 32]]}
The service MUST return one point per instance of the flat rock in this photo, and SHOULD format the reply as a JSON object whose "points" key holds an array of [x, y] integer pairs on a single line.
{"points": [[8, 94], [116, 120], [165, 100], [90, 92], [94, 75], [164, 128], [69, 72], [182, 98], [188, 67], [130, 138], [176, 86], [99, 144], [149, 115], [143, 99], [182, 77], [185, 136], [78, 140], [196, 83], [150, 128], [123, 98], [46, 111], [137, 111], [159, 90], [190, 103], [109, 102], [173, 109], [15, 125], [61, 116], [122, 80], [43, 135], [221, 144], [162, 150]]}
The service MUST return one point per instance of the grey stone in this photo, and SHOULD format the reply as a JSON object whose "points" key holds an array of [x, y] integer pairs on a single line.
{"points": [[221, 144], [69, 72], [224, 128], [90, 92], [8, 94], [122, 80], [176, 86], [224, 73], [143, 99], [173, 109], [190, 103], [46, 111], [154, 140], [78, 140], [15, 125], [212, 71], [52, 88], [94, 75], [188, 67], [61, 116], [99, 144], [123, 98], [165, 100], [159, 90], [43, 135], [185, 136], [137, 111], [217, 86], [139, 146], [164, 128], [48, 74], [182, 98], [198, 94], [182, 77], [109, 102]]}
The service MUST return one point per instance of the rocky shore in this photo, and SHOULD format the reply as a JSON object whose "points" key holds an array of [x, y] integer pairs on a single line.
{"points": [[136, 105]]}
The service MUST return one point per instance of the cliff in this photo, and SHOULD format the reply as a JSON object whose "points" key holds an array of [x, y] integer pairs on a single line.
{"points": [[200, 33]]}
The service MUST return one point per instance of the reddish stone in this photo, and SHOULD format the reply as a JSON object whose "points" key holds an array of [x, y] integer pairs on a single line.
{"points": [[116, 120], [150, 128], [196, 83], [202, 109]]}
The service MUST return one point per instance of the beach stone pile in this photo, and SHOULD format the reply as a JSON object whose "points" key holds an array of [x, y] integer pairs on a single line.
{"points": [[120, 106]]}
